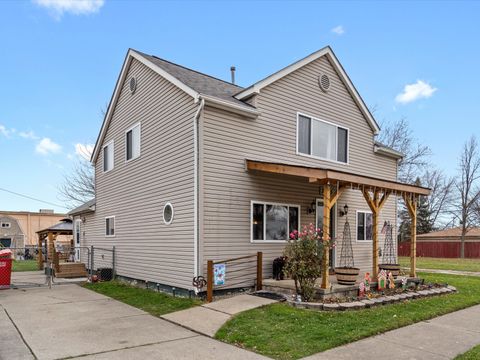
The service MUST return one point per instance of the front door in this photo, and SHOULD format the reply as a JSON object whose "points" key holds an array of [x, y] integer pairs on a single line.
{"points": [[77, 239], [333, 223]]}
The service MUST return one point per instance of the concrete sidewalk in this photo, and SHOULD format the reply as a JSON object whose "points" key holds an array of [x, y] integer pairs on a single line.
{"points": [[208, 318], [443, 337], [69, 321]]}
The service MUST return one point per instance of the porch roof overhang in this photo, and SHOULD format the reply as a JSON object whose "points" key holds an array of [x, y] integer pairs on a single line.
{"points": [[342, 178]]}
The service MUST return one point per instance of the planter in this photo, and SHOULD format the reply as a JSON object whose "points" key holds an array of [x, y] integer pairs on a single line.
{"points": [[394, 268], [346, 275]]}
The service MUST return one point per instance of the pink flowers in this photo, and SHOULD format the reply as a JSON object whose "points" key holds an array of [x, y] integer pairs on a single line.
{"points": [[309, 232]]}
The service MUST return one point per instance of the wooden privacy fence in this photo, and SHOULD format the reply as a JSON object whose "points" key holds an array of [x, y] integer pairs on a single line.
{"points": [[234, 273], [443, 249]]}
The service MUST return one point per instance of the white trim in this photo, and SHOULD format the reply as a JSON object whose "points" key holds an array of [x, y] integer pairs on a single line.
{"points": [[111, 142], [387, 152], [264, 203], [195, 188], [114, 226], [336, 140], [365, 230], [328, 52], [232, 107], [163, 213], [132, 54], [139, 124]]}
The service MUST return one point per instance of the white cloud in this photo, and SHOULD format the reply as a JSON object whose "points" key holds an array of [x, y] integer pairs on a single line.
{"points": [[28, 135], [413, 92], [84, 150], [339, 30], [4, 131], [75, 7], [47, 146]]}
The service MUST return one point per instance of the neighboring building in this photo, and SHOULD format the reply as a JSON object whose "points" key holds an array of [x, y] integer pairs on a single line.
{"points": [[190, 168], [445, 244], [19, 228]]}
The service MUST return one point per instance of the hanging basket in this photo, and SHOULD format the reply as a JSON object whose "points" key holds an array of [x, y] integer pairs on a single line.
{"points": [[347, 275], [393, 268]]}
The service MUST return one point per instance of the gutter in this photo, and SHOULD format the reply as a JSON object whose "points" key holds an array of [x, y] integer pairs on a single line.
{"points": [[196, 239], [387, 152]]}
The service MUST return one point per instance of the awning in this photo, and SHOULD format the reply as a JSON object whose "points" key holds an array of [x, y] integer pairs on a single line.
{"points": [[342, 178]]}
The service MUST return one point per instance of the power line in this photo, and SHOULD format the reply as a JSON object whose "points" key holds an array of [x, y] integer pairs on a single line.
{"points": [[32, 198]]}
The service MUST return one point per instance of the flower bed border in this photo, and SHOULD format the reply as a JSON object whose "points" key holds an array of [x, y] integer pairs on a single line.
{"points": [[368, 303]]}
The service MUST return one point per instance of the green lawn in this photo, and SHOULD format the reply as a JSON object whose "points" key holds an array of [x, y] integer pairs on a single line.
{"points": [[443, 264], [283, 332], [24, 265], [155, 303], [472, 354]]}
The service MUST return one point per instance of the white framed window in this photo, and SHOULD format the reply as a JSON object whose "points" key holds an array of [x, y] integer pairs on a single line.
{"points": [[364, 226], [6, 225], [110, 226], [273, 222], [322, 139], [108, 156], [132, 142], [168, 213]]}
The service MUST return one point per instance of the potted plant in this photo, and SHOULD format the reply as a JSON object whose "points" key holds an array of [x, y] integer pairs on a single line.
{"points": [[304, 257], [346, 273], [389, 256]]}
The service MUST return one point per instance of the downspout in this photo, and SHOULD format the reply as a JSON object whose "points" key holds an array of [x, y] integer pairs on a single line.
{"points": [[196, 239]]}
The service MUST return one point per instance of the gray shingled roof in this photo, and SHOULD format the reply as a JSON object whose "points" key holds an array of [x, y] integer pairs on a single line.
{"points": [[201, 83], [86, 207], [63, 226]]}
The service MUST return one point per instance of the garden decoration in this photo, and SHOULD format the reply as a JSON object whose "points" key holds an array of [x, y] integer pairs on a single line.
{"points": [[367, 281], [361, 290], [404, 283], [391, 281], [389, 255], [382, 280], [347, 273]]}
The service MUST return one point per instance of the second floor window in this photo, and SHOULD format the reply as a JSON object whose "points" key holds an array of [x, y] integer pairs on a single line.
{"points": [[108, 157], [321, 139], [133, 142]]}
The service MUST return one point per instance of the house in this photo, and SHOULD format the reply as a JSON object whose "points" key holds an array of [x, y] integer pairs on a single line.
{"points": [[19, 228], [191, 168], [445, 244]]}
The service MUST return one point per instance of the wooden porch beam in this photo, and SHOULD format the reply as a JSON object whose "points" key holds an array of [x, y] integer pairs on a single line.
{"points": [[411, 202], [326, 234]]}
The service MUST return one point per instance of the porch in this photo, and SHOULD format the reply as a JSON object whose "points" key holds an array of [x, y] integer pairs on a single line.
{"points": [[374, 191]]}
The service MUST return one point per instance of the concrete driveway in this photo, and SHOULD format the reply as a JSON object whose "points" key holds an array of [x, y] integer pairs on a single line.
{"points": [[70, 321]]}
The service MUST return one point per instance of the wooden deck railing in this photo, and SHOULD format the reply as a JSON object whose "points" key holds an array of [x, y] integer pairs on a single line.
{"points": [[237, 261]]}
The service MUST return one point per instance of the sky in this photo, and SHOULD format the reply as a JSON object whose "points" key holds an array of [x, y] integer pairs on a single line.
{"points": [[60, 60]]}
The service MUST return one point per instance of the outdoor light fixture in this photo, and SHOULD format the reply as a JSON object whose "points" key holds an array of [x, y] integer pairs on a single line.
{"points": [[312, 207], [345, 210]]}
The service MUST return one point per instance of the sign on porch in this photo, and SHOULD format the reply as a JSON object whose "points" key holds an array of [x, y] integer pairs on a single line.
{"points": [[219, 274]]}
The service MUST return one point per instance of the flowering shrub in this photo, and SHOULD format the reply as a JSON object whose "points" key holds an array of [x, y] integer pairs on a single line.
{"points": [[304, 257]]}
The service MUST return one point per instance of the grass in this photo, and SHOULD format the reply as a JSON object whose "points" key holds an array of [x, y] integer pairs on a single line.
{"points": [[443, 264], [24, 265], [283, 332], [155, 303], [472, 354]]}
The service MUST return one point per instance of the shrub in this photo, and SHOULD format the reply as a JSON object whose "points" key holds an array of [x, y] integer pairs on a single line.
{"points": [[304, 257]]}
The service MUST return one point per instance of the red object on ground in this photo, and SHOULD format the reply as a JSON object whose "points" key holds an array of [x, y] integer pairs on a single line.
{"points": [[5, 268]]}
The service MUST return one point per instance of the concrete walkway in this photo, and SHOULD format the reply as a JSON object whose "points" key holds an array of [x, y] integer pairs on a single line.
{"points": [[443, 337], [69, 321], [208, 318]]}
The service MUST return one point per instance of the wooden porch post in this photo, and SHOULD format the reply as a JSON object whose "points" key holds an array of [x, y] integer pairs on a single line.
{"points": [[375, 204], [411, 202], [326, 233], [40, 254]]}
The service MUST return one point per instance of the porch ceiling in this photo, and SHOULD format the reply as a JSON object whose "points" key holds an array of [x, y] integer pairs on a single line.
{"points": [[342, 178]]}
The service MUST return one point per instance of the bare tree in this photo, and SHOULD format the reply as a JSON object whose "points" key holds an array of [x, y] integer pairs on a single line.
{"points": [[440, 198], [399, 136], [467, 188], [79, 184]]}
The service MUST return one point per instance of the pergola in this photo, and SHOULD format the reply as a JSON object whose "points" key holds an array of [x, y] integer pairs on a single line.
{"points": [[375, 191], [64, 227]]}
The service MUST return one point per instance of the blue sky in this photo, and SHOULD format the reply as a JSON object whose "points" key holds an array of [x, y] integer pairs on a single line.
{"points": [[59, 66]]}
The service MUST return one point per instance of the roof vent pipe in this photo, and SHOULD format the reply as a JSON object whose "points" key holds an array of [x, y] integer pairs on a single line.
{"points": [[232, 70]]}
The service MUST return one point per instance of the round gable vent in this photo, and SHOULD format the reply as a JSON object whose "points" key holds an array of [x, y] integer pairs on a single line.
{"points": [[324, 82], [133, 85]]}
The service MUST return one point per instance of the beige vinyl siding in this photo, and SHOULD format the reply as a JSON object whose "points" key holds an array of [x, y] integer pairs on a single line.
{"points": [[229, 139], [136, 191]]}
